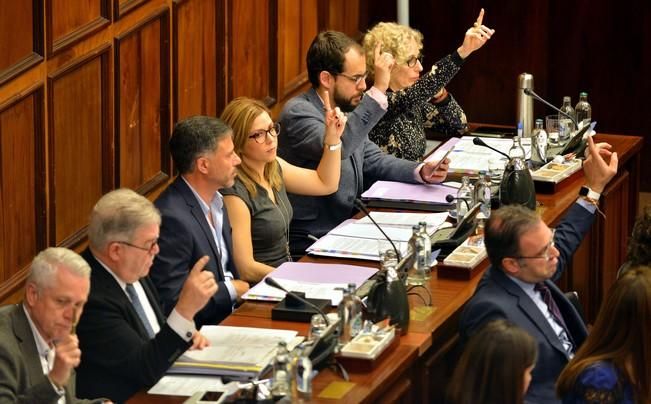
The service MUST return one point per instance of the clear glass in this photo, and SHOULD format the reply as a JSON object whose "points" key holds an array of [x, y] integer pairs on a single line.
{"points": [[583, 110], [350, 314], [464, 197], [483, 194], [558, 130], [281, 384], [317, 326], [567, 108], [417, 275], [427, 243], [303, 375]]}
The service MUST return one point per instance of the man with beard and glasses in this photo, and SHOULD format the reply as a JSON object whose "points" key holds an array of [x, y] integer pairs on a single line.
{"points": [[336, 64]]}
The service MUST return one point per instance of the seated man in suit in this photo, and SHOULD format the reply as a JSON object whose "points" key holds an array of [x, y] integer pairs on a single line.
{"points": [[127, 342], [195, 222], [526, 256], [337, 63], [38, 346]]}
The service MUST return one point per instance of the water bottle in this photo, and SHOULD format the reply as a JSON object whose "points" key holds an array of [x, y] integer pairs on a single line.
{"points": [[517, 185], [419, 262], [427, 243], [350, 315], [483, 194], [583, 110], [566, 124], [539, 145], [303, 375], [464, 198], [280, 387]]}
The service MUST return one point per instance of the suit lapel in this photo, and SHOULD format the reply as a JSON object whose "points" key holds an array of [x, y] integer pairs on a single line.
{"points": [[27, 343], [529, 308]]}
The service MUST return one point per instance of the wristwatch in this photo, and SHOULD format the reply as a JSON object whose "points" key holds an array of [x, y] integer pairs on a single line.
{"points": [[590, 194], [333, 147]]}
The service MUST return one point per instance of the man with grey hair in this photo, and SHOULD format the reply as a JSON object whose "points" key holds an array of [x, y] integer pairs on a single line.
{"points": [[38, 346], [128, 344], [195, 222]]}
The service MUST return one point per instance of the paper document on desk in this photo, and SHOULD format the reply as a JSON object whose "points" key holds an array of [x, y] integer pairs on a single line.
{"points": [[240, 353], [317, 281], [402, 219], [186, 385], [432, 194]]}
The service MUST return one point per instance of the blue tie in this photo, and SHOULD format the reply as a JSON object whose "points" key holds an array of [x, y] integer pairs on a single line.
{"points": [[131, 291]]}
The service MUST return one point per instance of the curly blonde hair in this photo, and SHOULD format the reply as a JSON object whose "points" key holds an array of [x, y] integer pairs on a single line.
{"points": [[393, 37]]}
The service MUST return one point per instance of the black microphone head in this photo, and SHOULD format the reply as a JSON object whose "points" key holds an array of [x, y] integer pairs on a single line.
{"points": [[528, 91], [272, 282], [478, 141], [449, 198]]}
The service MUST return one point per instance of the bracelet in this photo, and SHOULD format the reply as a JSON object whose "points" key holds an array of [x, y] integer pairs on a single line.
{"points": [[441, 97], [333, 147], [594, 202]]}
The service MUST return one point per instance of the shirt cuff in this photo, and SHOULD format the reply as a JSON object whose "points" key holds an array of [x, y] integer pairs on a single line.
{"points": [[587, 205], [183, 327], [379, 97], [231, 290], [417, 176]]}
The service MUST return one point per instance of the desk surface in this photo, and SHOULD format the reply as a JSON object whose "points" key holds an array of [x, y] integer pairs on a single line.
{"points": [[428, 328]]}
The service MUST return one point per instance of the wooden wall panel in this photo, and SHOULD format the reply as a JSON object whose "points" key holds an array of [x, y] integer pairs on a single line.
{"points": [[252, 51], [297, 26], [142, 105], [341, 15], [199, 64], [68, 24], [78, 114], [121, 7], [21, 44], [22, 172]]}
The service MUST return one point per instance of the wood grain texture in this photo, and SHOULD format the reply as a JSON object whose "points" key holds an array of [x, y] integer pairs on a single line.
{"points": [[21, 42], [67, 25]]}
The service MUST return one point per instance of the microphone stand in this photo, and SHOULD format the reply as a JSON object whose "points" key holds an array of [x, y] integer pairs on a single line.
{"points": [[535, 96], [362, 206]]}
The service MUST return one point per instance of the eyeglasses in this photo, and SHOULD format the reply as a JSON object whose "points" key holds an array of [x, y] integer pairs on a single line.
{"points": [[546, 255], [358, 78], [261, 135], [412, 61], [149, 249]]}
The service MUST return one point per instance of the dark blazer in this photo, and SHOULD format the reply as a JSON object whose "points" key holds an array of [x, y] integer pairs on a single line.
{"points": [[21, 375], [497, 296], [185, 236], [362, 163], [118, 358]]}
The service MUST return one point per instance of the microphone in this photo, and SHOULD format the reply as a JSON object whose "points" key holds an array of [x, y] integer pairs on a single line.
{"points": [[362, 206], [535, 96], [450, 198], [479, 142], [274, 284]]}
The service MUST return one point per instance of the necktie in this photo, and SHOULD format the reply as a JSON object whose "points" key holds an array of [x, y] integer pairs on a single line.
{"points": [[556, 313], [131, 291]]}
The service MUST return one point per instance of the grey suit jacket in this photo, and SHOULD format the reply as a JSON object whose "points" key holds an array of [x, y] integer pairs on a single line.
{"points": [[21, 375], [301, 143]]}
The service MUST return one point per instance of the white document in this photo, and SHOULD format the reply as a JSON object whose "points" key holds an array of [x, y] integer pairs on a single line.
{"points": [[182, 385], [468, 157], [361, 230], [326, 291], [350, 247], [405, 219]]}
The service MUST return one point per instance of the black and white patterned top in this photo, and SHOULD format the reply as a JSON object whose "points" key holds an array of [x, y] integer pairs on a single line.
{"points": [[401, 131]]}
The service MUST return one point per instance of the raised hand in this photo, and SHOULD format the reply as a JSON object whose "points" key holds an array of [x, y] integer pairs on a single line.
{"points": [[67, 357], [475, 37], [197, 290], [384, 62], [433, 172], [335, 121], [597, 172]]}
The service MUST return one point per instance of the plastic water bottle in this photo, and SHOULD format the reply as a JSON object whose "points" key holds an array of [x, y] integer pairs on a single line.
{"points": [[483, 193], [583, 110], [539, 145], [303, 375], [281, 384], [427, 244], [419, 262], [350, 315], [567, 108], [464, 198]]}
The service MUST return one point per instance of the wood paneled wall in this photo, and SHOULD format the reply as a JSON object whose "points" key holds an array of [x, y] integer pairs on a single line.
{"points": [[90, 89]]}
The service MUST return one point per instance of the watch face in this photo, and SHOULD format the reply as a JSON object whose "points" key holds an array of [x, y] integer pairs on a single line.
{"points": [[584, 191]]}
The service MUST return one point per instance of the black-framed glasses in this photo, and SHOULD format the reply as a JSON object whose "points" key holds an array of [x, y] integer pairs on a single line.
{"points": [[150, 249], [261, 135], [412, 61], [358, 78], [546, 255]]}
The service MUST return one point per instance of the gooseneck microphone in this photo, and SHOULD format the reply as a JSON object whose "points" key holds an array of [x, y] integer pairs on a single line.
{"points": [[362, 206], [274, 284], [451, 198], [535, 96], [479, 142]]}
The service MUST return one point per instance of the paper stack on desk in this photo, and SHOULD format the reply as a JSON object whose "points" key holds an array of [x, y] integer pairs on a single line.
{"points": [[237, 353], [400, 195]]}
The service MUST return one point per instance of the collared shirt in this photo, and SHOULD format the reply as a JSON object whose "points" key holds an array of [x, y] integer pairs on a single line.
{"points": [[46, 355], [537, 298], [183, 327], [215, 215]]}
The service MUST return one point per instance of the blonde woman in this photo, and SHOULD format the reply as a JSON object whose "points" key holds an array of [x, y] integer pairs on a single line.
{"points": [[417, 102], [258, 208]]}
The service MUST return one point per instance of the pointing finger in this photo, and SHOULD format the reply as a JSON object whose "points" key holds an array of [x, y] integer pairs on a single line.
{"points": [[201, 263]]}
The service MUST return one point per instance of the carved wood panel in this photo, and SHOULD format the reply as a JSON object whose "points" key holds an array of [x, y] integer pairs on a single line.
{"points": [[79, 128], [21, 42], [67, 24], [142, 105]]}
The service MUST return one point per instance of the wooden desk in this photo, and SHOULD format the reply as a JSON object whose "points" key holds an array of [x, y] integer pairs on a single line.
{"points": [[420, 366]]}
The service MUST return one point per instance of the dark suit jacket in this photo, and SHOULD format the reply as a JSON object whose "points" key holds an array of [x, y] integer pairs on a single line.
{"points": [[21, 375], [362, 163], [185, 236], [118, 358], [497, 296]]}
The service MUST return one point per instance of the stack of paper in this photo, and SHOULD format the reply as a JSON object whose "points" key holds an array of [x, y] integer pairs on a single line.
{"points": [[390, 194], [239, 353], [359, 238]]}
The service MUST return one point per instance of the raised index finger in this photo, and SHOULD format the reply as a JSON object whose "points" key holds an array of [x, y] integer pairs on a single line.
{"points": [[480, 19], [201, 263], [378, 48], [326, 101]]}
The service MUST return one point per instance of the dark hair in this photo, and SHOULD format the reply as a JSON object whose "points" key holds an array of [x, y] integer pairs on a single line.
{"points": [[327, 53], [491, 368], [504, 229], [639, 246], [193, 137], [621, 334]]}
